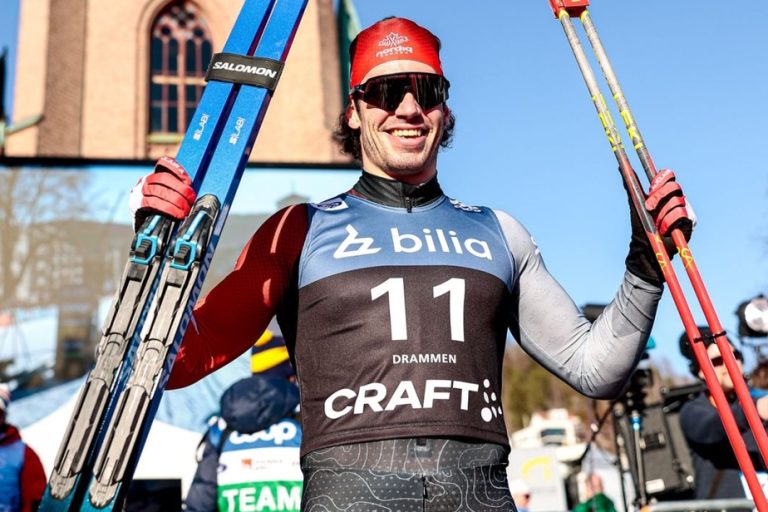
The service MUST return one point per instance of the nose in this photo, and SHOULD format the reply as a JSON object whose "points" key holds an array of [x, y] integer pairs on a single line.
{"points": [[408, 106]]}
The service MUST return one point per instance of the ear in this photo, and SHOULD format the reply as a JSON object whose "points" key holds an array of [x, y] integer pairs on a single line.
{"points": [[446, 115], [353, 118]]}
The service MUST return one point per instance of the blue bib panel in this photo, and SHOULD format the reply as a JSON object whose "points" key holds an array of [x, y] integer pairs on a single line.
{"points": [[261, 471], [402, 322]]}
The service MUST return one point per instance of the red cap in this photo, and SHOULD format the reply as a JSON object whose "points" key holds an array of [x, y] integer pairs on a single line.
{"points": [[392, 39]]}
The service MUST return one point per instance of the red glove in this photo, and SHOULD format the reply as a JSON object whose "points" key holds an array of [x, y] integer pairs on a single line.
{"points": [[669, 209], [668, 206], [167, 191]]}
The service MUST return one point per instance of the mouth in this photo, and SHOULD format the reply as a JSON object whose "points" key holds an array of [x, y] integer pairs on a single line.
{"points": [[408, 137], [407, 133]]}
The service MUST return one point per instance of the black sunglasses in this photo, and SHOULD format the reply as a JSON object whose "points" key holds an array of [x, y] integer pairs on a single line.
{"points": [[387, 91], [718, 360]]}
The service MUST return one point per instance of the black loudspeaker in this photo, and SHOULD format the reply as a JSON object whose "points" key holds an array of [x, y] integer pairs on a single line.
{"points": [[665, 455]]}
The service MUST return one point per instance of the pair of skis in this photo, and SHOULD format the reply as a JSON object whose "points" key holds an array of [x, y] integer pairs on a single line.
{"points": [[564, 10], [168, 263]]}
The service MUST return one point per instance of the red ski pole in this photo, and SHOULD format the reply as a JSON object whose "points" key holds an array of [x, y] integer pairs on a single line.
{"points": [[564, 10], [697, 283]]}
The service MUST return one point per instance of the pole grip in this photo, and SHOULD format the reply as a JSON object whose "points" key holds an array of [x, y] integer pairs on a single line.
{"points": [[573, 8]]}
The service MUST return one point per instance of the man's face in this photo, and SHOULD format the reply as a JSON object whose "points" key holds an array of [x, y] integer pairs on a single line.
{"points": [[401, 144], [723, 377]]}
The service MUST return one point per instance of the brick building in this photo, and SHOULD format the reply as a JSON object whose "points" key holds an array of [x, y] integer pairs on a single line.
{"points": [[118, 79], [116, 82]]}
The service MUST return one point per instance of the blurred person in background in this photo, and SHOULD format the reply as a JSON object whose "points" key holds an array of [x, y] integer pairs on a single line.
{"points": [[758, 379], [250, 453], [22, 478], [596, 500], [715, 466]]}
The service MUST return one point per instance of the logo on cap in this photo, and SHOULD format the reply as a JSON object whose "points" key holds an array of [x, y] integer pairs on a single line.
{"points": [[393, 39], [394, 43]]}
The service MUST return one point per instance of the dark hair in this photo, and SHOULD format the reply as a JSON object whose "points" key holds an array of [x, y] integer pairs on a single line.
{"points": [[349, 139], [759, 376]]}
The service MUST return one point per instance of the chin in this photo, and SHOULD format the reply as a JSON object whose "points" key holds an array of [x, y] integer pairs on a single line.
{"points": [[407, 172]]}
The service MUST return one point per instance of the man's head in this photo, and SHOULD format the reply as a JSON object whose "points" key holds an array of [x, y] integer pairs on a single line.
{"points": [[715, 357], [5, 400], [594, 485], [397, 117]]}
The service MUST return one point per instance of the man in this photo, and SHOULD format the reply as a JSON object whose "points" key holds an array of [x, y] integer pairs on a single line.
{"points": [[595, 499], [22, 478], [395, 302], [250, 456], [715, 466]]}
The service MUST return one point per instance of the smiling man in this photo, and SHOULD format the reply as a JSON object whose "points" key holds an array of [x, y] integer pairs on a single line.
{"points": [[395, 302]]}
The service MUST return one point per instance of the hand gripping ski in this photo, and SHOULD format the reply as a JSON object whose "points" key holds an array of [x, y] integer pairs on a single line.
{"points": [[162, 280]]}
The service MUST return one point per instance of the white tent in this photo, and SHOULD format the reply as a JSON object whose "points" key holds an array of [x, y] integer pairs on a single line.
{"points": [[169, 452]]}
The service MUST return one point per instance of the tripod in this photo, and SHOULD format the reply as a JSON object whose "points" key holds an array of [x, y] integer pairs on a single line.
{"points": [[633, 408]]}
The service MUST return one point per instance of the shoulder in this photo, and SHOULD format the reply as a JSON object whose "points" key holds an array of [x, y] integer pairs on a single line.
{"points": [[282, 233], [517, 236], [695, 407], [295, 213], [460, 205], [334, 204], [216, 428]]}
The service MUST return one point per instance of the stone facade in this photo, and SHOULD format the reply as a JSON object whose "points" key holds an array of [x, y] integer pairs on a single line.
{"points": [[85, 66]]}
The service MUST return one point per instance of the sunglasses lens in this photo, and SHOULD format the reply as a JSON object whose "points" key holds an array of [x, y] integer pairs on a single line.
{"points": [[388, 91], [718, 360]]}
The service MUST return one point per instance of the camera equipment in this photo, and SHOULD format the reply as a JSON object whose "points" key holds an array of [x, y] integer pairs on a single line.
{"points": [[629, 420], [753, 317], [658, 455]]}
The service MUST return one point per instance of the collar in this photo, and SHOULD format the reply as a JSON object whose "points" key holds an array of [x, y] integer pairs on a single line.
{"points": [[396, 193]]}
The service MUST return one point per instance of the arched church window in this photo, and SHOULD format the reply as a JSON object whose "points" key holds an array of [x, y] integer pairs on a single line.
{"points": [[180, 49]]}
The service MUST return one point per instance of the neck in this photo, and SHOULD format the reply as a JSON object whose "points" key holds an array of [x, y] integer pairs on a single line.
{"points": [[412, 177], [422, 176], [391, 192]]}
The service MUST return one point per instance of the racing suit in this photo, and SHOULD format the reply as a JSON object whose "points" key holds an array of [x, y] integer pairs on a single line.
{"points": [[395, 302]]}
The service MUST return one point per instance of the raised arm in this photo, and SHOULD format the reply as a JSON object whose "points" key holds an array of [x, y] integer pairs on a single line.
{"points": [[594, 358]]}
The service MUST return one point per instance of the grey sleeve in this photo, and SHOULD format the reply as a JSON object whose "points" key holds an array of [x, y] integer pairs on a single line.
{"points": [[594, 358]]}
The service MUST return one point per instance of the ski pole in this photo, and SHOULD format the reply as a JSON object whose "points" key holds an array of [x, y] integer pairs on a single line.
{"points": [[578, 8], [742, 391]]}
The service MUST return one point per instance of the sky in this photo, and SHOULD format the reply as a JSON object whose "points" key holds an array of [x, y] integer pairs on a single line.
{"points": [[528, 140]]}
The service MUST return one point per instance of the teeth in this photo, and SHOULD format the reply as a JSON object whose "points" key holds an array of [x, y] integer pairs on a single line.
{"points": [[406, 133]]}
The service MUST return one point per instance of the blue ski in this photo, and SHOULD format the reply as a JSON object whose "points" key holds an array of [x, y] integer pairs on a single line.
{"points": [[189, 257], [117, 347]]}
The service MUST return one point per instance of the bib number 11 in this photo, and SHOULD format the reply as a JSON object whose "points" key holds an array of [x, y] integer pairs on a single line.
{"points": [[394, 289]]}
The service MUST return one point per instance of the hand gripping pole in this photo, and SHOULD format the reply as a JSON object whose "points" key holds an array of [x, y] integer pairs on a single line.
{"points": [[564, 10]]}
